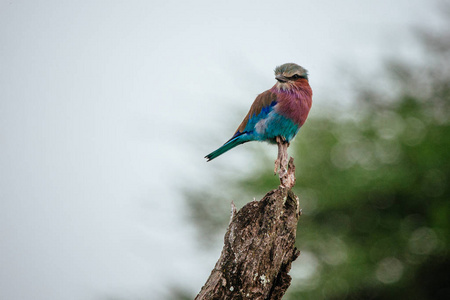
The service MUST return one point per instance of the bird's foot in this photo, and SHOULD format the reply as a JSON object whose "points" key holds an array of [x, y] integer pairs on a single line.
{"points": [[279, 160], [279, 168], [281, 140]]}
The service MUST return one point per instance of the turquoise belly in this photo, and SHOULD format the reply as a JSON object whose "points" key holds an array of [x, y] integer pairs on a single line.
{"points": [[274, 125]]}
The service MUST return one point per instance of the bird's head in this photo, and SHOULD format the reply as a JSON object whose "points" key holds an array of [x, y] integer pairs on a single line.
{"points": [[289, 74]]}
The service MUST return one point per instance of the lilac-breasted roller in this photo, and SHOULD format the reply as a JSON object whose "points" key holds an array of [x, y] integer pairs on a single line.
{"points": [[276, 114]]}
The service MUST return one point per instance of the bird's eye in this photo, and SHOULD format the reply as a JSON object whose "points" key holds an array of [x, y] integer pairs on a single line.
{"points": [[295, 76]]}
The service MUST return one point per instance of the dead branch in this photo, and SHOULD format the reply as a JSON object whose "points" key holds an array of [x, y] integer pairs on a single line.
{"points": [[259, 248]]}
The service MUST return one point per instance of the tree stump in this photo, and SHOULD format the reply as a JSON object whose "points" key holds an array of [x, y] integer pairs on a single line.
{"points": [[259, 248]]}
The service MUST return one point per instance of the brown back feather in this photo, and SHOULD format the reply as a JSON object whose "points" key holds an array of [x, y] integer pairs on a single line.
{"points": [[262, 100]]}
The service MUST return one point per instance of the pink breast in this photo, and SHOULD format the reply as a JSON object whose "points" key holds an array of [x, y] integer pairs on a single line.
{"points": [[295, 104]]}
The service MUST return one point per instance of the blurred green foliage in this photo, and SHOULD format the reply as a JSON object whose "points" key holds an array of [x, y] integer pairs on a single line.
{"points": [[373, 184]]}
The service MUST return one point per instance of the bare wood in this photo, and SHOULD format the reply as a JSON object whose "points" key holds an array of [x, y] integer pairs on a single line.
{"points": [[258, 251]]}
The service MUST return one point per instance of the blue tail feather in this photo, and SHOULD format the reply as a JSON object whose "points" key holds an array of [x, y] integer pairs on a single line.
{"points": [[233, 142]]}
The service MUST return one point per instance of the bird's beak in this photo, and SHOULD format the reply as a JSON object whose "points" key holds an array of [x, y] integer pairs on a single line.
{"points": [[281, 78]]}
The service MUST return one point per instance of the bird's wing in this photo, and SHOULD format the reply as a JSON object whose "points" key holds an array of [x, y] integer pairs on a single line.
{"points": [[263, 103]]}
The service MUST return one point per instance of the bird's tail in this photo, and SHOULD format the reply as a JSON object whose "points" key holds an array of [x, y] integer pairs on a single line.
{"points": [[233, 142]]}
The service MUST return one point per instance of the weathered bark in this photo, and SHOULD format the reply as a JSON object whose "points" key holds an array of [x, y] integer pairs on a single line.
{"points": [[259, 248]]}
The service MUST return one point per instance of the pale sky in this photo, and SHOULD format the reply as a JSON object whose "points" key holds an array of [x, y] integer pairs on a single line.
{"points": [[108, 107]]}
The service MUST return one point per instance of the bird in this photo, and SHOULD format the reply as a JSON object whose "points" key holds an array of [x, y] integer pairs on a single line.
{"points": [[277, 114]]}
